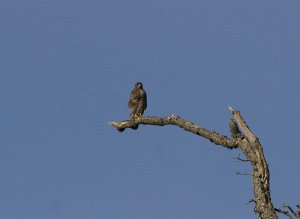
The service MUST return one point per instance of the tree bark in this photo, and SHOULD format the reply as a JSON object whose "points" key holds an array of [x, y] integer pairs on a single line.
{"points": [[253, 150], [244, 139]]}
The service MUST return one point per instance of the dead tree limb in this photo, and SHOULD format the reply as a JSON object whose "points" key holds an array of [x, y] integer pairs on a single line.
{"points": [[289, 212], [240, 159], [296, 214], [253, 150], [182, 123], [244, 139], [286, 213]]}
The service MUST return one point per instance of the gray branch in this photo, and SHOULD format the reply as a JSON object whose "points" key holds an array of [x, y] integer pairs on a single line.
{"points": [[290, 212], [242, 137], [286, 213], [182, 123]]}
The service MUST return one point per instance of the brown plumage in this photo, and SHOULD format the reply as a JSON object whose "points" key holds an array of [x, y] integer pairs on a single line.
{"points": [[138, 100]]}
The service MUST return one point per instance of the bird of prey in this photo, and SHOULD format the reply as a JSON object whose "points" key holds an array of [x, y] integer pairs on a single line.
{"points": [[138, 101]]}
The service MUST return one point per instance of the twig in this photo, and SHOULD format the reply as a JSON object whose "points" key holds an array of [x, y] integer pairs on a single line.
{"points": [[240, 159], [250, 201], [284, 212], [296, 214], [243, 174]]}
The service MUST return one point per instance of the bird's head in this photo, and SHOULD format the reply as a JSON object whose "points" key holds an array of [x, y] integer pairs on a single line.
{"points": [[139, 85]]}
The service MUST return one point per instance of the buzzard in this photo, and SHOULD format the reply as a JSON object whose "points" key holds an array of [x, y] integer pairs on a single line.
{"points": [[138, 100]]}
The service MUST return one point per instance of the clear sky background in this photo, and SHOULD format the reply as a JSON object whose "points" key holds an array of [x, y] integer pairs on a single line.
{"points": [[67, 68]]}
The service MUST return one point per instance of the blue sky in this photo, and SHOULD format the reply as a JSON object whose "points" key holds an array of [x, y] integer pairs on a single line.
{"points": [[67, 68]]}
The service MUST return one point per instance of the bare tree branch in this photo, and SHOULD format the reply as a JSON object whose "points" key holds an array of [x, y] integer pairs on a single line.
{"points": [[284, 212], [290, 208], [296, 214], [234, 129], [260, 173], [250, 201], [182, 123], [290, 212], [240, 159], [245, 173], [242, 137]]}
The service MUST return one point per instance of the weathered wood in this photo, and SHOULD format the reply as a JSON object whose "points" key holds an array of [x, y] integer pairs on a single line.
{"points": [[182, 123], [260, 171], [243, 139]]}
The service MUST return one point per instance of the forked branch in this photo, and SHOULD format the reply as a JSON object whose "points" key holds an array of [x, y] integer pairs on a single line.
{"points": [[244, 139]]}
